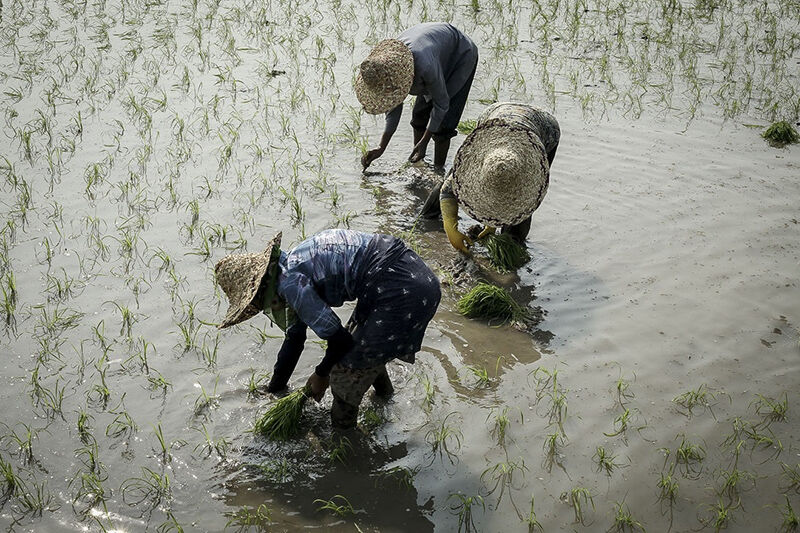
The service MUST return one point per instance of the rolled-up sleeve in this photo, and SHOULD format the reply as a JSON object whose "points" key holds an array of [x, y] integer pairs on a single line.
{"points": [[393, 119], [301, 296]]}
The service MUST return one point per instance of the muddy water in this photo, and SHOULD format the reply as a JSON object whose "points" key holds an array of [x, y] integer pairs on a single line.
{"points": [[665, 255]]}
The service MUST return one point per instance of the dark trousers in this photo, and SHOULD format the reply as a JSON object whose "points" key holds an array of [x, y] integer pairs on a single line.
{"points": [[421, 113]]}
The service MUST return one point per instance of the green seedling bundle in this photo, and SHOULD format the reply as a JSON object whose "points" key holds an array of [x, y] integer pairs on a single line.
{"points": [[282, 420], [492, 303], [505, 253]]}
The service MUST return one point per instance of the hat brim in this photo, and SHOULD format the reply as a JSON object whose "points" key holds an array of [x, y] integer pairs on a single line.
{"points": [[247, 269], [508, 200], [376, 100]]}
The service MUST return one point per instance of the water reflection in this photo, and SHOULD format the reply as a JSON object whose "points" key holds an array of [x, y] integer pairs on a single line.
{"points": [[363, 468]]}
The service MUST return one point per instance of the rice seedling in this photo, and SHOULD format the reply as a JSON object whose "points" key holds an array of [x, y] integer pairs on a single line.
{"points": [[340, 449], [700, 397], [502, 474], [481, 375], [531, 520], [501, 425], [621, 424], [121, 426], [779, 134], [34, 499], [606, 462], [492, 303], [255, 382], [623, 519], [246, 517], [341, 509], [553, 443], [151, 489], [668, 487], [622, 387], [791, 474], [401, 475], [206, 402], [371, 420], [219, 446], [578, 498], [277, 471], [505, 254], [732, 481], [282, 420], [165, 447], [444, 438], [771, 409], [462, 506], [791, 522], [720, 515], [430, 392], [23, 442]]}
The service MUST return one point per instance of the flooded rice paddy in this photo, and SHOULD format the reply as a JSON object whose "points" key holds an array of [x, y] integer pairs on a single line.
{"points": [[656, 389]]}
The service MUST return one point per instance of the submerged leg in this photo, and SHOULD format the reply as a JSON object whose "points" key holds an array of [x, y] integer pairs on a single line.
{"points": [[431, 209], [383, 385], [440, 148]]}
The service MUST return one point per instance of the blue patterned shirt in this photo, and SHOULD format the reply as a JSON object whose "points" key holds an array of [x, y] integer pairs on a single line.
{"points": [[322, 272]]}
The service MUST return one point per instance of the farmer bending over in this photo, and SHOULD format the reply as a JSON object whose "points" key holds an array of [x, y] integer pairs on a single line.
{"points": [[501, 172], [435, 62], [396, 293]]}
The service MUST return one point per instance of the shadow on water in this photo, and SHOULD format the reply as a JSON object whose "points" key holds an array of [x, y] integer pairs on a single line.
{"points": [[364, 468]]}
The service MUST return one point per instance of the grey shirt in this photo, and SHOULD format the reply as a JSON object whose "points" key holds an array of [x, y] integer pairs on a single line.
{"points": [[443, 61], [542, 123]]}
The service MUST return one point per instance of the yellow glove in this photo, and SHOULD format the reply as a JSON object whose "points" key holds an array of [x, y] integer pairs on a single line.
{"points": [[488, 230], [450, 221]]}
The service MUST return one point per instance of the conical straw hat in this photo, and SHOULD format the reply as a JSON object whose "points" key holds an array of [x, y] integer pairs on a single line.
{"points": [[239, 276], [500, 173], [385, 77]]}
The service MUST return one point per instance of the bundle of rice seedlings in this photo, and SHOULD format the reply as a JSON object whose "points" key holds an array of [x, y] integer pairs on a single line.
{"points": [[491, 302], [781, 133], [282, 420], [506, 254], [465, 127]]}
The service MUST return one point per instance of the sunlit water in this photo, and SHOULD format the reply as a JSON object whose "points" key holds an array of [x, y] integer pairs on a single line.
{"points": [[146, 142]]}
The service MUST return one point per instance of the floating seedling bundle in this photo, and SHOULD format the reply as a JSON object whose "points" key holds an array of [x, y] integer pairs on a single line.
{"points": [[492, 303], [505, 253], [282, 420], [781, 133]]}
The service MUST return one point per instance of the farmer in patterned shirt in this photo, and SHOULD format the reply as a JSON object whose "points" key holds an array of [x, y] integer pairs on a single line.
{"points": [[500, 173], [433, 61], [396, 293]]}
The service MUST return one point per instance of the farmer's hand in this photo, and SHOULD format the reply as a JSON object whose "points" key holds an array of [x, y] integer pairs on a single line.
{"points": [[488, 230], [418, 153], [459, 241], [449, 208], [318, 386], [372, 155]]}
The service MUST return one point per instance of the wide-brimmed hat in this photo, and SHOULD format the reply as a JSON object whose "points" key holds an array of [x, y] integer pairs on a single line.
{"points": [[500, 173], [385, 77], [239, 276]]}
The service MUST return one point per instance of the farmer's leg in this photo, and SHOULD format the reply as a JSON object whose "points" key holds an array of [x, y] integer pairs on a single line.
{"points": [[450, 122], [382, 384], [519, 232], [348, 386], [431, 208], [420, 114]]}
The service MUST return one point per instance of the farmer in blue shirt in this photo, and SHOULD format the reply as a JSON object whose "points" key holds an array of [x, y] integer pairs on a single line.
{"points": [[433, 61], [396, 294]]}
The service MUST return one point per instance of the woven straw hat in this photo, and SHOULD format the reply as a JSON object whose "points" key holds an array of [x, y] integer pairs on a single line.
{"points": [[240, 276], [500, 173], [385, 77]]}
